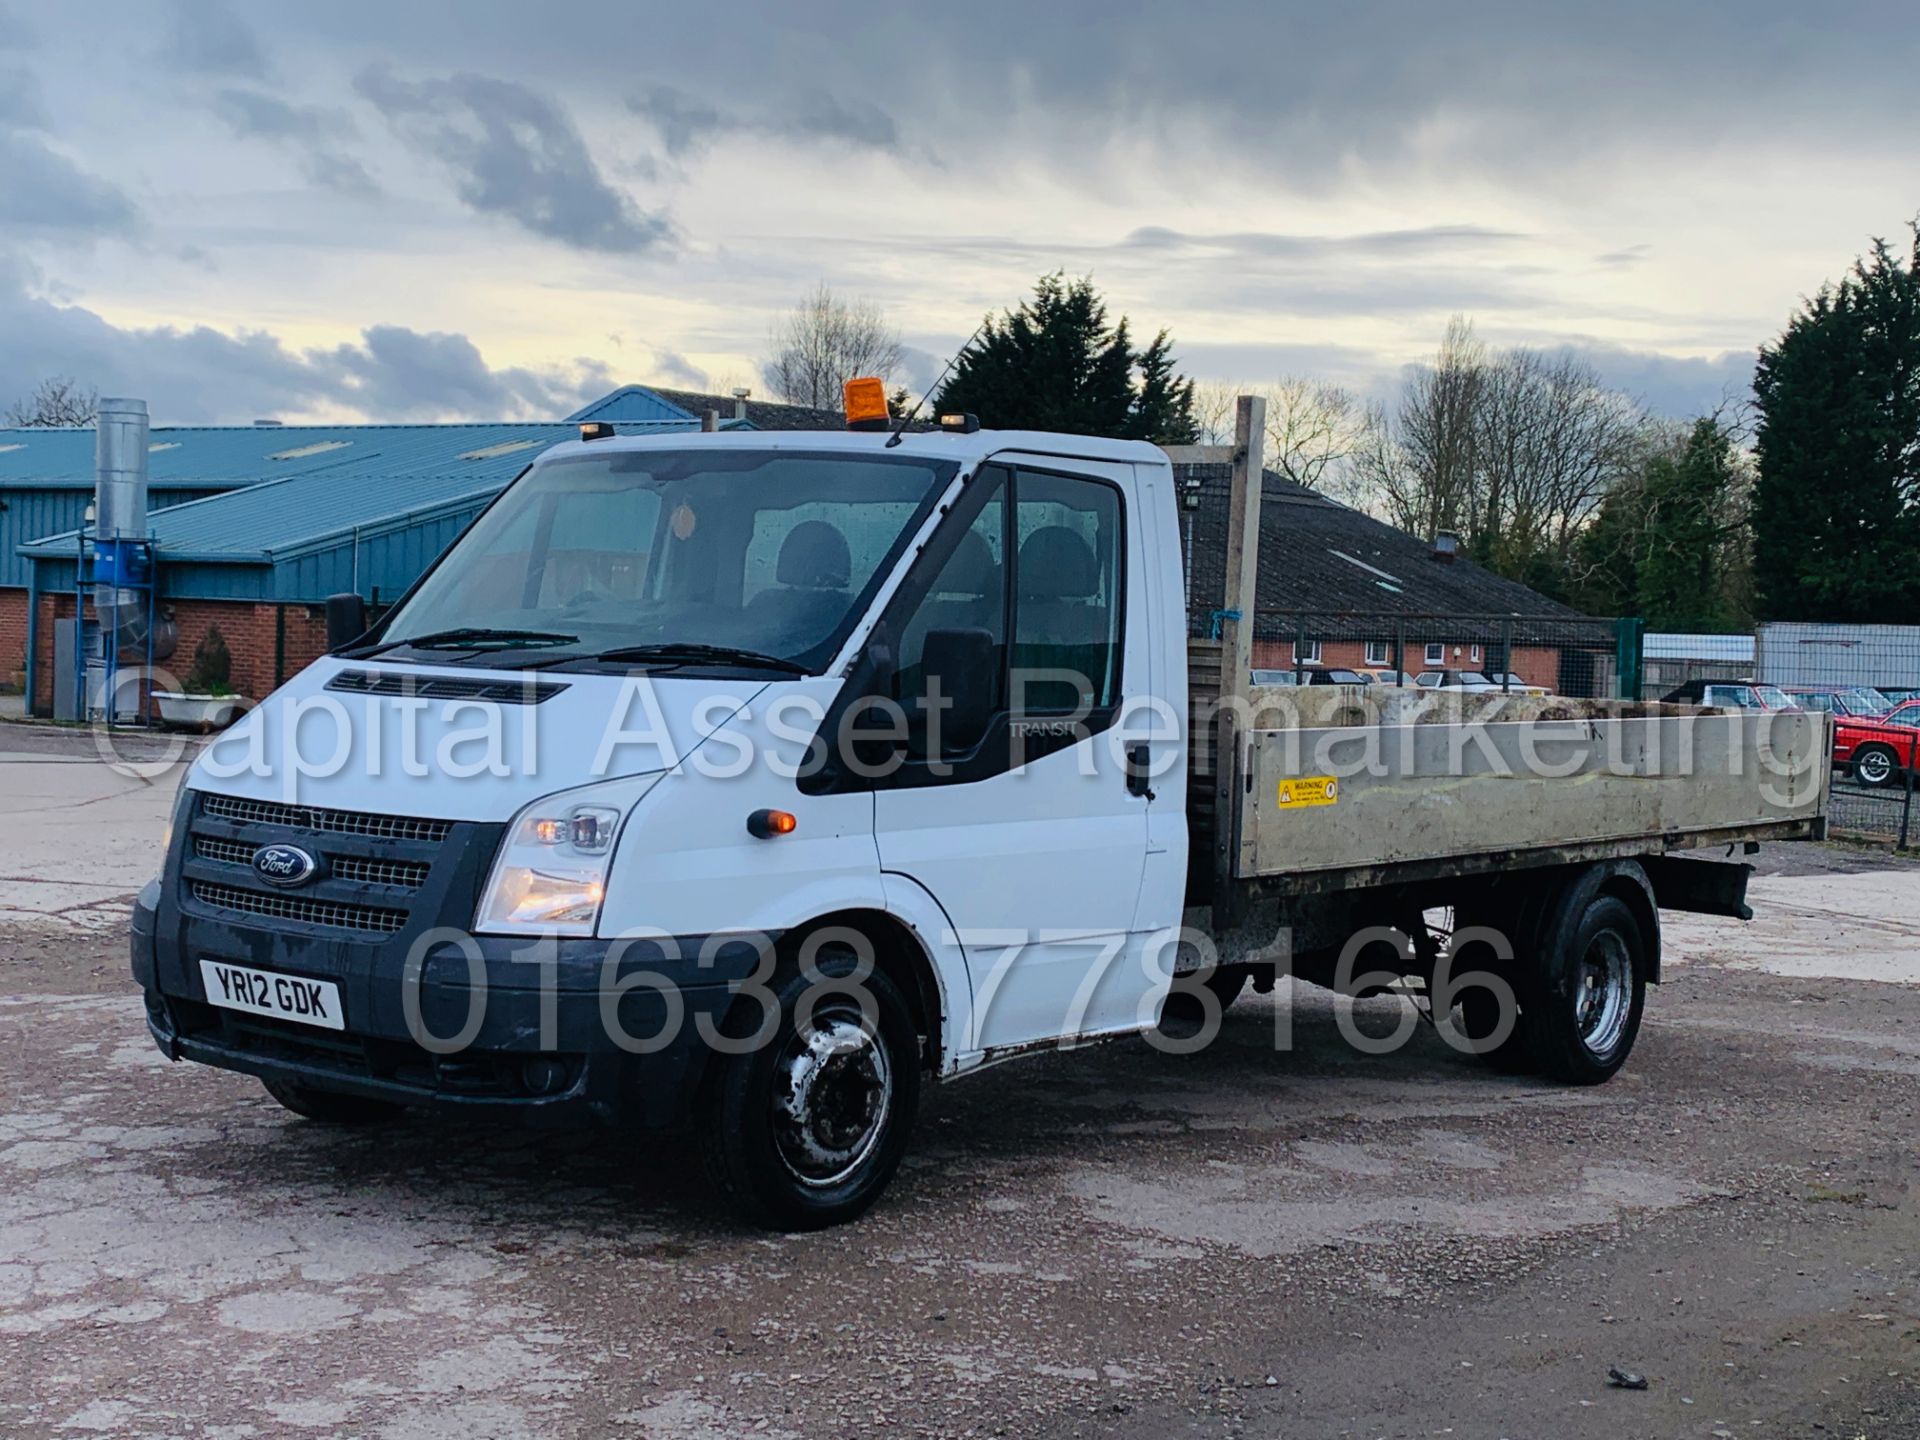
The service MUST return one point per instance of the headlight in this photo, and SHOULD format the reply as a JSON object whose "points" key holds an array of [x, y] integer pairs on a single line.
{"points": [[551, 873]]}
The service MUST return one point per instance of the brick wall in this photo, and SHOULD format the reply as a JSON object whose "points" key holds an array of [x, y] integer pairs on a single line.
{"points": [[1537, 665], [13, 637], [252, 632]]}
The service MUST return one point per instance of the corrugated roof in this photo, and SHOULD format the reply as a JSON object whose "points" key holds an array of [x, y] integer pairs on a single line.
{"points": [[380, 473], [1321, 556], [634, 403], [207, 456]]}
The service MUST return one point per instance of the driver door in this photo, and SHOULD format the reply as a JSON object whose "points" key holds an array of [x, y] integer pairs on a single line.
{"points": [[1029, 835]]}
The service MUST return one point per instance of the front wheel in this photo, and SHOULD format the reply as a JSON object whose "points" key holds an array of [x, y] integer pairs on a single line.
{"points": [[1875, 766], [805, 1129], [1582, 1018]]}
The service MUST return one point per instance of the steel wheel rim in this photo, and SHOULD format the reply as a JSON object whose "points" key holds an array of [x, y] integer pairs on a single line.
{"points": [[1874, 768], [1603, 993], [833, 1092]]}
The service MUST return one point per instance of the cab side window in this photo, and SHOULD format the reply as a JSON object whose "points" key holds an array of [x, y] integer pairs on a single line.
{"points": [[969, 592], [1066, 630]]}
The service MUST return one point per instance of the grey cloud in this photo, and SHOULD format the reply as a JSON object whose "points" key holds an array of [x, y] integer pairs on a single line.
{"points": [[310, 130], [516, 154], [15, 33], [857, 122], [673, 368], [41, 190], [254, 113], [207, 38], [20, 104], [687, 124], [1383, 243], [683, 123], [397, 371], [207, 376], [1677, 385]]}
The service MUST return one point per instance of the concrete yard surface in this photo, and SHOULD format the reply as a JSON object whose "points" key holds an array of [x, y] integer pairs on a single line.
{"points": [[1249, 1241]]}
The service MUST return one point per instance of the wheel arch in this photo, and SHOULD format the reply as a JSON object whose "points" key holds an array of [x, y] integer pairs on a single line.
{"points": [[899, 955]]}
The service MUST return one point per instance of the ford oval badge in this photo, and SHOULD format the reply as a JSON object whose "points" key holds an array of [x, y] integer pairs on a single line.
{"points": [[284, 864]]}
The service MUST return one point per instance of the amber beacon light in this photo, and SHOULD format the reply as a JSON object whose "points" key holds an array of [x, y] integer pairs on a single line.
{"points": [[865, 399]]}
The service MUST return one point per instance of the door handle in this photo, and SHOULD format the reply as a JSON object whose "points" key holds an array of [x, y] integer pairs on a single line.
{"points": [[1139, 770]]}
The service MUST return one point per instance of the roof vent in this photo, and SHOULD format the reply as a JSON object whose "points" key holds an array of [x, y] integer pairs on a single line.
{"points": [[1446, 547], [740, 394]]}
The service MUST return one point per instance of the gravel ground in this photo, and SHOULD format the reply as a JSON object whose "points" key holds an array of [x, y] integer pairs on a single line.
{"points": [[1248, 1242]]}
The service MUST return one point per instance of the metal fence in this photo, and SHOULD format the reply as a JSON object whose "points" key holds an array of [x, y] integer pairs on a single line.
{"points": [[1868, 678], [1588, 658]]}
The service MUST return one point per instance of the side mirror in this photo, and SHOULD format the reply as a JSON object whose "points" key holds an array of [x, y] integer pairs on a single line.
{"points": [[959, 666], [346, 619]]}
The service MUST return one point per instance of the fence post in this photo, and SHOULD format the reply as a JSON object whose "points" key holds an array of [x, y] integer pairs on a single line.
{"points": [[1906, 810], [1506, 657], [1629, 642], [1399, 651]]}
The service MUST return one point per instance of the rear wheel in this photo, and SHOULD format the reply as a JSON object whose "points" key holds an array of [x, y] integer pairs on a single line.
{"points": [[806, 1129], [1582, 1016], [330, 1107], [1875, 765]]}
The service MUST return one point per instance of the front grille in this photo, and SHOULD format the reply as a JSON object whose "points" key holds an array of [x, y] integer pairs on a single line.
{"points": [[339, 822], [398, 682], [232, 852], [402, 874], [331, 914]]}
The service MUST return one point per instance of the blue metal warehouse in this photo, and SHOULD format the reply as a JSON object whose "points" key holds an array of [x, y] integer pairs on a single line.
{"points": [[284, 515]]}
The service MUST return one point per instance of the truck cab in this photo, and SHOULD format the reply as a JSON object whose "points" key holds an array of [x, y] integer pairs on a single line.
{"points": [[681, 731]]}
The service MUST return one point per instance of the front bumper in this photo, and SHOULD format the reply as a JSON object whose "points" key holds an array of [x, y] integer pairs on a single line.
{"points": [[577, 1029]]}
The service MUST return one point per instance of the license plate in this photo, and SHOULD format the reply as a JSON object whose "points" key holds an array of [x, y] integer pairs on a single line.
{"points": [[284, 997]]}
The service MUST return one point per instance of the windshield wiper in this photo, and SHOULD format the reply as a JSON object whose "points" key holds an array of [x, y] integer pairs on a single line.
{"points": [[472, 637], [689, 653]]}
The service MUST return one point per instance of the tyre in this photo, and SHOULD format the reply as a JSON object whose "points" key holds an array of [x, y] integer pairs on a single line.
{"points": [[1488, 1019], [1875, 766], [805, 1130], [330, 1107], [1478, 1017], [1581, 1016]]}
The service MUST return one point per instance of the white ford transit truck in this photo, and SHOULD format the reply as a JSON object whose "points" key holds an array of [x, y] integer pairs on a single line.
{"points": [[744, 782]]}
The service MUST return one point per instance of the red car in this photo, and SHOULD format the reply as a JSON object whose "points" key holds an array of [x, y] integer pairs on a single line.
{"points": [[1874, 740]]}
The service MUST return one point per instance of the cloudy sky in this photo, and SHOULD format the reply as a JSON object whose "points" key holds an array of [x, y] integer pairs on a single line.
{"points": [[490, 209]]}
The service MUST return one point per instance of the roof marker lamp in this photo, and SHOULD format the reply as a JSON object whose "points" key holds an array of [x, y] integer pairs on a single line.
{"points": [[596, 430], [551, 874]]}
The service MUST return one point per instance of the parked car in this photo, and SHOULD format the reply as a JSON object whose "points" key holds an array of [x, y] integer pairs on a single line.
{"points": [[1840, 699], [1730, 695], [1388, 677], [1311, 676], [1876, 745], [1453, 680], [1515, 685]]}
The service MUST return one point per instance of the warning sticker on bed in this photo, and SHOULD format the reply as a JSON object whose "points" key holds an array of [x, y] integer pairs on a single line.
{"points": [[1304, 790]]}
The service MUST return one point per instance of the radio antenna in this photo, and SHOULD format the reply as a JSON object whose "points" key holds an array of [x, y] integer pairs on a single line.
{"points": [[907, 419]]}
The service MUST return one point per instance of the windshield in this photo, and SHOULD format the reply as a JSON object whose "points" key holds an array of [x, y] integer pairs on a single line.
{"points": [[1868, 701], [1773, 698], [770, 554]]}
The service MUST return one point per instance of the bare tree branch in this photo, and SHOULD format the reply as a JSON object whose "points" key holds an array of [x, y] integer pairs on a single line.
{"points": [[826, 341], [57, 401]]}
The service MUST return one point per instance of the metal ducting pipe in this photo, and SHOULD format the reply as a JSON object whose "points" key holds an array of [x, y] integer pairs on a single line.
{"points": [[120, 507], [120, 470]]}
